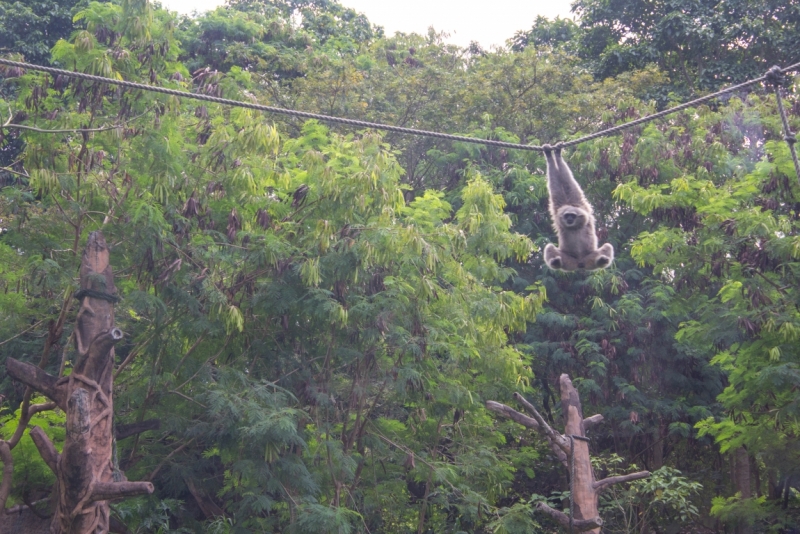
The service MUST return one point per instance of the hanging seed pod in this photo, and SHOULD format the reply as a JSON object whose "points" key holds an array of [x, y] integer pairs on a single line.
{"points": [[190, 209], [234, 224], [263, 219], [299, 196]]}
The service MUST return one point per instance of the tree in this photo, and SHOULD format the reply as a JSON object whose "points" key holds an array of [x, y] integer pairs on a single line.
{"points": [[86, 473], [728, 246], [32, 28], [306, 336], [572, 449], [702, 45]]}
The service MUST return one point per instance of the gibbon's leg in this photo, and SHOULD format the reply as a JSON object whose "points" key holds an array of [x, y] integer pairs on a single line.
{"points": [[555, 259], [552, 256], [599, 259], [605, 255]]}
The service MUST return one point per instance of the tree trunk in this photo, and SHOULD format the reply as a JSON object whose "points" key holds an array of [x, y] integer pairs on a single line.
{"points": [[741, 479], [572, 450], [86, 478]]}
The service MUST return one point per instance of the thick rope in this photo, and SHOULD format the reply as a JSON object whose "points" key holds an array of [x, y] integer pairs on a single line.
{"points": [[375, 125], [776, 77]]}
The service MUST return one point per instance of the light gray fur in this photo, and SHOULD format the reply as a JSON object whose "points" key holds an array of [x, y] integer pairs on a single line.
{"points": [[573, 221]]}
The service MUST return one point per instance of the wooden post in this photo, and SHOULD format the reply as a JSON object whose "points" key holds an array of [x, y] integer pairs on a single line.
{"points": [[572, 450], [86, 476]]}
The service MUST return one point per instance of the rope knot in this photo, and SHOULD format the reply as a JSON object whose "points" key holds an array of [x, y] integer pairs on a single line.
{"points": [[775, 76]]}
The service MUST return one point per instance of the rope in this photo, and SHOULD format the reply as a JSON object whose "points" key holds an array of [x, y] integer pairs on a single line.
{"points": [[776, 77], [379, 126]]}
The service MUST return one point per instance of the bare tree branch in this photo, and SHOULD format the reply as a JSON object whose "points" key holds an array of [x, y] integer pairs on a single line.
{"points": [[606, 483], [552, 435], [511, 413], [36, 323], [107, 491], [155, 471], [32, 376], [46, 448], [8, 473], [524, 420], [592, 421], [126, 431], [580, 525], [27, 413], [66, 130]]}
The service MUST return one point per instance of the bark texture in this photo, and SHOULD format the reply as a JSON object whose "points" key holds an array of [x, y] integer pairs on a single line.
{"points": [[572, 450], [86, 476]]}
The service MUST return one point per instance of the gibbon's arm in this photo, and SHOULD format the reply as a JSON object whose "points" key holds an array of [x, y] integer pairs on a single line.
{"points": [[563, 188]]}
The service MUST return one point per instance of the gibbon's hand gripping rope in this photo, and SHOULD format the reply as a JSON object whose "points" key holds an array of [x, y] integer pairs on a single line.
{"points": [[769, 77]]}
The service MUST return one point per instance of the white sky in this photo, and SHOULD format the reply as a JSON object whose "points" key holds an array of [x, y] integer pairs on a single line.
{"points": [[490, 22]]}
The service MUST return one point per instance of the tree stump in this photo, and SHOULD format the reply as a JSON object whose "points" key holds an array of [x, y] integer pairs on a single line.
{"points": [[572, 450], [86, 478]]}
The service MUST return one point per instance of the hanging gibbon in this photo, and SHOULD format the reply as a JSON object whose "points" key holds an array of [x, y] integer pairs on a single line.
{"points": [[572, 219]]}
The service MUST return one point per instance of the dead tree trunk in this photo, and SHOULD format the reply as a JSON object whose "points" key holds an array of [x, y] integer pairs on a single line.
{"points": [[86, 477], [572, 449]]}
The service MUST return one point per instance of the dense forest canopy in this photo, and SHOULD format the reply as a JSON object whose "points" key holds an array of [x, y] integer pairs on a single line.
{"points": [[317, 315]]}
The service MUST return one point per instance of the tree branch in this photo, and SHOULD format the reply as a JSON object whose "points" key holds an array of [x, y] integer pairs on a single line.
{"points": [[579, 525], [32, 376], [592, 421], [8, 473], [606, 483], [27, 413], [66, 130], [528, 422], [551, 434], [155, 471], [107, 491], [46, 448], [126, 431], [35, 324], [511, 413]]}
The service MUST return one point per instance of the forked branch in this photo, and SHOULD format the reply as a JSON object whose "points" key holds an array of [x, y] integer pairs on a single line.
{"points": [[551, 434]]}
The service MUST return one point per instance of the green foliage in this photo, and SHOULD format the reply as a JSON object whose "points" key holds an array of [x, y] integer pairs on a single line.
{"points": [[317, 315], [32, 28], [662, 500], [32, 476], [685, 39]]}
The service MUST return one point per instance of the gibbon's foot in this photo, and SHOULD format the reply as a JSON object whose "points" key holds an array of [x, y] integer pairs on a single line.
{"points": [[599, 259], [605, 255], [552, 257]]}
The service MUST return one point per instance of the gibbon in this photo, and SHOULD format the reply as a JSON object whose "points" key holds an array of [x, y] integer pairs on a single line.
{"points": [[572, 219]]}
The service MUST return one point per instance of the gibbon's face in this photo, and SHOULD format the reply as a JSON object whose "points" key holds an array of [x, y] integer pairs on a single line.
{"points": [[572, 218]]}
